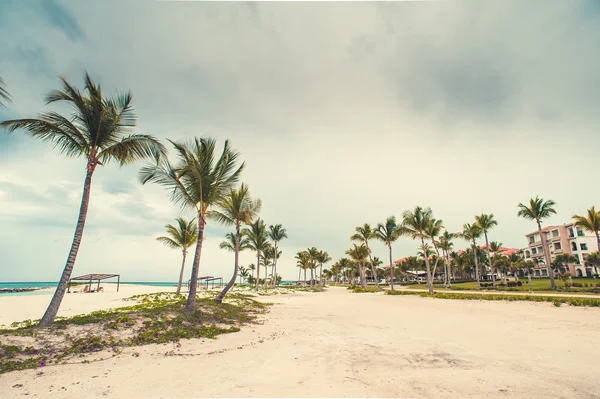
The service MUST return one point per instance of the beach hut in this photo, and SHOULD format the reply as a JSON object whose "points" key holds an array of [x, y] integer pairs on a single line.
{"points": [[95, 277]]}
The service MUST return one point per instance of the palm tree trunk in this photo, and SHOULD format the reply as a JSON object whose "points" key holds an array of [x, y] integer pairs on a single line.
{"points": [[529, 276], [391, 270], [257, 270], [547, 256], [476, 265], [274, 282], [190, 306], [299, 273], [487, 249], [363, 279], [181, 272], [304, 276], [429, 277], [59, 294], [449, 268], [219, 298]]}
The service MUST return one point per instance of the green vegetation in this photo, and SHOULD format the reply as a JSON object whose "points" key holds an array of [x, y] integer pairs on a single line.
{"points": [[557, 301], [539, 284], [155, 319], [357, 289]]}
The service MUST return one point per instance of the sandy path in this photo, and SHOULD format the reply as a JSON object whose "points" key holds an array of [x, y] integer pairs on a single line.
{"points": [[338, 344]]}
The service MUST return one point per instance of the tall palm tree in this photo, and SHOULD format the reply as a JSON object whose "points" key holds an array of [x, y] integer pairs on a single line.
{"points": [[538, 210], [360, 254], [387, 233], [345, 265], [313, 254], [471, 232], [322, 258], [590, 223], [181, 237], [199, 180], [3, 94], [301, 257], [236, 208], [446, 245], [276, 233], [362, 235], [243, 274], [257, 241], [415, 224], [487, 222], [433, 231], [98, 131]]}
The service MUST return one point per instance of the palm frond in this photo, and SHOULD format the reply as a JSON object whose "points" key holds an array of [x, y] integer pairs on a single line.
{"points": [[132, 148], [3, 94], [168, 242]]}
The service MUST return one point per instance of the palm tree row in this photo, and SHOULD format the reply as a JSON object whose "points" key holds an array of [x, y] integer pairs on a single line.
{"points": [[311, 259]]}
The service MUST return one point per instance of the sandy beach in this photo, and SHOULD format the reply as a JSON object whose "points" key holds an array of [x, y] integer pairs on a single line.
{"points": [[339, 344]]}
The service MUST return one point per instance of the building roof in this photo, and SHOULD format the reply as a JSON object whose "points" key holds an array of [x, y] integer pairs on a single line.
{"points": [[96, 276], [544, 229]]}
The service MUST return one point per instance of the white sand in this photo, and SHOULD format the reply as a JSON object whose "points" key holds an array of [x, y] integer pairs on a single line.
{"points": [[23, 307], [338, 344]]}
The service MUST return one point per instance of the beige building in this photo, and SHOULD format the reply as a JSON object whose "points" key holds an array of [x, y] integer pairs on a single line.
{"points": [[565, 238]]}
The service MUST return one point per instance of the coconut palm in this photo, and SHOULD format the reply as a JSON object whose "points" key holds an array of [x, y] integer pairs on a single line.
{"points": [[236, 208], [362, 235], [360, 253], [257, 241], [433, 231], [276, 233], [590, 223], [199, 180], [3, 94], [243, 274], [98, 131], [388, 233], [181, 237], [446, 245], [345, 264], [471, 232], [538, 210], [415, 224], [487, 222], [322, 258], [313, 254], [269, 259]]}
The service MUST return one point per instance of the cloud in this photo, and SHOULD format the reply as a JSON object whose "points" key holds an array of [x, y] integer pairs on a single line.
{"points": [[346, 113]]}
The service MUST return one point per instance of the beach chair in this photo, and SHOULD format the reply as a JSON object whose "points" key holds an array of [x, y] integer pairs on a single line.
{"points": [[86, 288]]}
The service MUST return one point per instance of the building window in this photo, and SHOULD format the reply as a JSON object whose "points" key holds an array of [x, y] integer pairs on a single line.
{"points": [[578, 262], [557, 245], [531, 239], [555, 233], [527, 254], [584, 247], [574, 246], [540, 250], [580, 233], [533, 251], [571, 235]]}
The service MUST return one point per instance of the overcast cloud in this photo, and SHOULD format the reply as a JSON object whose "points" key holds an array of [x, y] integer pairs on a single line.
{"points": [[345, 113]]}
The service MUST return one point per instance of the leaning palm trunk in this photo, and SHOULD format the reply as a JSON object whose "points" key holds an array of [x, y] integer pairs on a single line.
{"points": [[363, 276], [391, 271], [487, 249], [181, 272], [449, 270], [59, 294], [219, 298], [190, 306], [274, 281]]}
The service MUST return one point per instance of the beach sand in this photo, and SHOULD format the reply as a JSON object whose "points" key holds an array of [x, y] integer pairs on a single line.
{"points": [[339, 344]]}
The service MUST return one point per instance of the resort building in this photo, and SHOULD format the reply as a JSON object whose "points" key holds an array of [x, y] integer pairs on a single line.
{"points": [[562, 239]]}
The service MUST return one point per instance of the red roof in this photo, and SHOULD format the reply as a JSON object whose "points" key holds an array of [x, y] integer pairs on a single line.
{"points": [[547, 228]]}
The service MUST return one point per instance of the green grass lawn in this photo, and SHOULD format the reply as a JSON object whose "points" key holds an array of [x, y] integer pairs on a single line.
{"points": [[537, 284]]}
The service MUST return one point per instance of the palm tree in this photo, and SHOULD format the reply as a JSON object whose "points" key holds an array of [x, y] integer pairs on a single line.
{"points": [[276, 233], [414, 224], [433, 231], [363, 234], [446, 245], [243, 274], [590, 223], [200, 180], [313, 254], [538, 210], [360, 254], [97, 130], [345, 264], [236, 208], [181, 237], [257, 241], [388, 232], [322, 258], [487, 222], [3, 94], [471, 232], [593, 260]]}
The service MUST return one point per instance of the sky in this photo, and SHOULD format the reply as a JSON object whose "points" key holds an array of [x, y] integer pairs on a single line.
{"points": [[345, 113]]}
